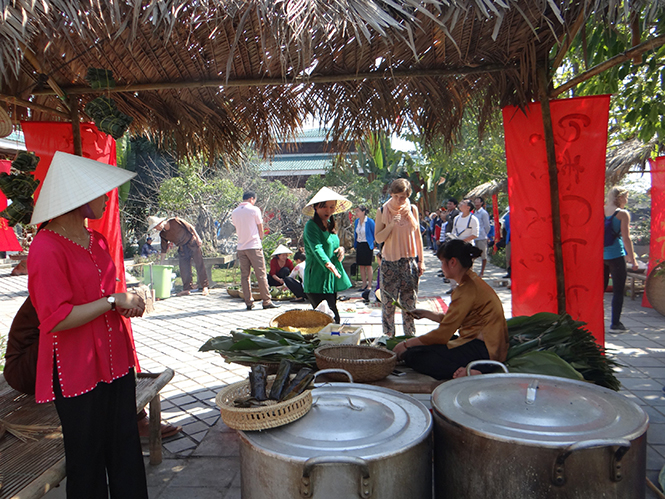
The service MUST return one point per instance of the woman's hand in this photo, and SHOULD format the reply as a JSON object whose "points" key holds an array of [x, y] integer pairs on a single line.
{"points": [[332, 269], [340, 253], [417, 313], [129, 304], [399, 349], [278, 279], [396, 218], [421, 268], [635, 266]]}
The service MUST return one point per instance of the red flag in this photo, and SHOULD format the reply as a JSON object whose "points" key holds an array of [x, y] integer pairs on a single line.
{"points": [[657, 244], [580, 135], [8, 241]]}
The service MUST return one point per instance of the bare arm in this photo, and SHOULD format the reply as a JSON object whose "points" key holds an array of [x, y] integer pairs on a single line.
{"points": [[421, 313], [624, 217], [382, 231], [261, 233], [419, 244], [127, 304]]}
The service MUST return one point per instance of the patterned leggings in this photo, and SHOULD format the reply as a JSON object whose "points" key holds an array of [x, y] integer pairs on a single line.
{"points": [[400, 280]]}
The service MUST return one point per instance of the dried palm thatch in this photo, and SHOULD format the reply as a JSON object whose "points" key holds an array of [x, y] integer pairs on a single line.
{"points": [[628, 156], [213, 74], [488, 189]]}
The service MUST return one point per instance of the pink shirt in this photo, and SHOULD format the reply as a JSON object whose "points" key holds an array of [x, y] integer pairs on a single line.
{"points": [[62, 274], [246, 218]]}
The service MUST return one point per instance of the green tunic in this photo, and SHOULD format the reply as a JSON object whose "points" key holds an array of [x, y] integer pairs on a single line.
{"points": [[319, 247]]}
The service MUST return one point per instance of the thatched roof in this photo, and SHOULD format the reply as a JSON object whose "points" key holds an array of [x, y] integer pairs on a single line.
{"points": [[629, 156], [211, 74]]}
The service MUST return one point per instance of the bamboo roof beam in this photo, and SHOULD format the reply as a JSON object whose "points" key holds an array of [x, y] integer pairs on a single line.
{"points": [[33, 105], [611, 62], [32, 59], [264, 82]]}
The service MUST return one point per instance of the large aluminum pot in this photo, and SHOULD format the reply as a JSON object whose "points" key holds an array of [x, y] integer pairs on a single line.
{"points": [[508, 436], [356, 441]]}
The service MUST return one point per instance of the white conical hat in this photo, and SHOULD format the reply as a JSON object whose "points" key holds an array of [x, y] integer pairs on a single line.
{"points": [[281, 250], [326, 194], [154, 222], [71, 182]]}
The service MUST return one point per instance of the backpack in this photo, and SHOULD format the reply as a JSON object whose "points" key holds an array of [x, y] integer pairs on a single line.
{"points": [[610, 234]]}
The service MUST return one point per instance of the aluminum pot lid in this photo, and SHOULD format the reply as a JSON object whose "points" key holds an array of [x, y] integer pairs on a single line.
{"points": [[351, 419], [538, 409]]}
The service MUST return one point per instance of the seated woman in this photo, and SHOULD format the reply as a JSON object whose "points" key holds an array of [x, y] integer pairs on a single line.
{"points": [[280, 266], [475, 312]]}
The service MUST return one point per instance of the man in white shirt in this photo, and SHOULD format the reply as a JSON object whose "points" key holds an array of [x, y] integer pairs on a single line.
{"points": [[483, 229], [248, 222], [465, 227]]}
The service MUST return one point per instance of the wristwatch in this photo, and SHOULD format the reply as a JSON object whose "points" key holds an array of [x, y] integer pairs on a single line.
{"points": [[111, 300]]}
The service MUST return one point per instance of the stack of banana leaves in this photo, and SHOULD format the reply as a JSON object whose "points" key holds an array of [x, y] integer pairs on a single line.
{"points": [[556, 345], [264, 345]]}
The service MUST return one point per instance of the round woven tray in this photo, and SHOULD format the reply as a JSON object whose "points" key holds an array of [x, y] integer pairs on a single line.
{"points": [[260, 418], [233, 292], [255, 294], [364, 363], [655, 288], [301, 318]]}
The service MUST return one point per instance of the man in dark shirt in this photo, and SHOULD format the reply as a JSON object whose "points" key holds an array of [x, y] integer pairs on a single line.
{"points": [[147, 249], [184, 236]]}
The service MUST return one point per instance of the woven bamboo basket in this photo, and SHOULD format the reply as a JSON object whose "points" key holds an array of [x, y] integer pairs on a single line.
{"points": [[260, 418], [255, 294], [363, 362], [311, 320], [233, 292]]}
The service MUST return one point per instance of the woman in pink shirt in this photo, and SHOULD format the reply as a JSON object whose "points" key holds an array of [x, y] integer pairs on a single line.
{"points": [[86, 359], [398, 227]]}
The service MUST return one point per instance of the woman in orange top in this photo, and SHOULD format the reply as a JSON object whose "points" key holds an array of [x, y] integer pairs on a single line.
{"points": [[402, 265], [475, 312]]}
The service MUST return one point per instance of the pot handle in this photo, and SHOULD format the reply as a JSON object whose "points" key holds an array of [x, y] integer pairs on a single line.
{"points": [[365, 490], [474, 363], [326, 371], [559, 478]]}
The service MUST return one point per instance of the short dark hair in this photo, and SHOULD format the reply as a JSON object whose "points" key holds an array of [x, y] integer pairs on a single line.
{"points": [[299, 256], [482, 201], [148, 238], [453, 200], [248, 195], [463, 251], [362, 208]]}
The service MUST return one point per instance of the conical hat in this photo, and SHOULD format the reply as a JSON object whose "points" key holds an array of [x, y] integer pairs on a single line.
{"points": [[326, 194], [154, 222], [6, 126], [71, 182], [281, 250]]}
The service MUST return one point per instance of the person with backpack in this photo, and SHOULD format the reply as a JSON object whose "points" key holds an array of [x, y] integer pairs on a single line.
{"points": [[617, 245]]}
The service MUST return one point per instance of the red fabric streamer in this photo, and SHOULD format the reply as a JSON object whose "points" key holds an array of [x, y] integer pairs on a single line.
{"points": [[497, 222], [44, 139], [657, 244], [580, 135], [8, 241]]}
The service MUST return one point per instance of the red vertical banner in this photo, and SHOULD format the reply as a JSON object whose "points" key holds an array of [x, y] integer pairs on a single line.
{"points": [[497, 222], [8, 241], [580, 136], [657, 243]]}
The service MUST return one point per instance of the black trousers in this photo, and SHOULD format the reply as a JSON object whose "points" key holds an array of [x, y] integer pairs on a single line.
{"points": [[102, 439], [294, 286], [331, 298], [440, 362], [283, 273], [617, 268]]}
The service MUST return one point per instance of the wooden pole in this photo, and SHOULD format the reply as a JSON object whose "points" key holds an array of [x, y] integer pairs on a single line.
{"points": [[611, 62], [76, 124], [31, 105], [263, 82], [543, 83]]}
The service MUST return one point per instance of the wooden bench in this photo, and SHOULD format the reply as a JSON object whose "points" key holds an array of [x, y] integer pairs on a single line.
{"points": [[29, 469], [207, 263], [633, 276]]}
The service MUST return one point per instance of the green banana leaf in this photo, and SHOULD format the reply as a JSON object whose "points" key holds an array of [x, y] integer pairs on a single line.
{"points": [[547, 363]]}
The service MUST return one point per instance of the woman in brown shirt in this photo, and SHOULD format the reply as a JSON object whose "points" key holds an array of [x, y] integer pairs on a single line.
{"points": [[475, 313]]}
